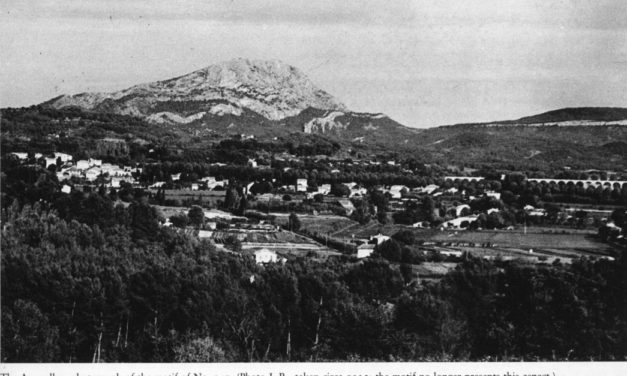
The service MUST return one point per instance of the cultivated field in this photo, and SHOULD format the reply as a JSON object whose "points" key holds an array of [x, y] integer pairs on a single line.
{"points": [[322, 224], [521, 240]]}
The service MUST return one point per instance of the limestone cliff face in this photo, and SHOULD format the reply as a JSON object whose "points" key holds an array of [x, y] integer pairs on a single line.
{"points": [[272, 89]]}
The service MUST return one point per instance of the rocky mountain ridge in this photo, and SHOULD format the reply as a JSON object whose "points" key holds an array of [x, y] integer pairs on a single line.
{"points": [[272, 89]]}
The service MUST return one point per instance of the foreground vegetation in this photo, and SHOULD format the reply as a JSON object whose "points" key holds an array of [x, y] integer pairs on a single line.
{"points": [[120, 288]]}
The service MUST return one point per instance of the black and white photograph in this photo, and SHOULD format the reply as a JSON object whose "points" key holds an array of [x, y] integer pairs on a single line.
{"points": [[313, 182]]}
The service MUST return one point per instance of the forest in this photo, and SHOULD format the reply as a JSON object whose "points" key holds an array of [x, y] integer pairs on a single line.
{"points": [[86, 280]]}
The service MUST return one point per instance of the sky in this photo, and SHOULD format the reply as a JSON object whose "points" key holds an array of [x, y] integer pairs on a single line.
{"points": [[423, 63]]}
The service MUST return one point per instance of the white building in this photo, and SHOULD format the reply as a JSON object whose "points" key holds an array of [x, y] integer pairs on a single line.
{"points": [[82, 164], [92, 173], [459, 223], [51, 161], [204, 234], [176, 177], [264, 255], [95, 162], [20, 156], [421, 224], [460, 208], [158, 184], [428, 189], [379, 238], [301, 185], [493, 194], [64, 157], [395, 191], [252, 163], [66, 188], [365, 250], [325, 189], [211, 182]]}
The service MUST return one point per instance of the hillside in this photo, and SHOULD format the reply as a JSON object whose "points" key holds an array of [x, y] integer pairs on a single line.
{"points": [[574, 137], [606, 114]]}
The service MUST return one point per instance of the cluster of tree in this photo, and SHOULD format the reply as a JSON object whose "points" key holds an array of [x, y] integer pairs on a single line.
{"points": [[373, 206], [81, 134], [414, 211], [74, 291]]}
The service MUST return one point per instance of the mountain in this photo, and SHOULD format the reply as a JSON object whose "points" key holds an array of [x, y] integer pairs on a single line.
{"points": [[271, 89], [241, 96]]}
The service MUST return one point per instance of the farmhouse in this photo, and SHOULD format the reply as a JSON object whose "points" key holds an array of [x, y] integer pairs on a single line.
{"points": [[64, 157], [264, 255], [301, 185], [378, 239], [20, 156], [365, 250], [429, 189]]}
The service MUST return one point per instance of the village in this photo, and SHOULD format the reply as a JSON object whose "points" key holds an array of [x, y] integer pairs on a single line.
{"points": [[445, 218]]}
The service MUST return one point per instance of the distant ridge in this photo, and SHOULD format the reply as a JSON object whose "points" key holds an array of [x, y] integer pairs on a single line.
{"points": [[577, 113], [566, 116]]}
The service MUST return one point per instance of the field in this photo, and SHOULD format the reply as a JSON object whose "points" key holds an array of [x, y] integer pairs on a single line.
{"points": [[322, 224], [520, 240], [283, 242], [210, 214], [212, 197]]}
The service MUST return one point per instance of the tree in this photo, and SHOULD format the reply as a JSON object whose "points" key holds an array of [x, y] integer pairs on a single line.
{"points": [[196, 216], [382, 216], [27, 335], [390, 250], [180, 221], [144, 220], [340, 190], [293, 222], [199, 350], [405, 236], [231, 199], [361, 213]]}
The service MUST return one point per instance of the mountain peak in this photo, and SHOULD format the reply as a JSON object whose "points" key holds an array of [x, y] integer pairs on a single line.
{"points": [[271, 88]]}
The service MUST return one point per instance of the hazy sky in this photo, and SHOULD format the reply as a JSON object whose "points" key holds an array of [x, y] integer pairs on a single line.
{"points": [[423, 63]]}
